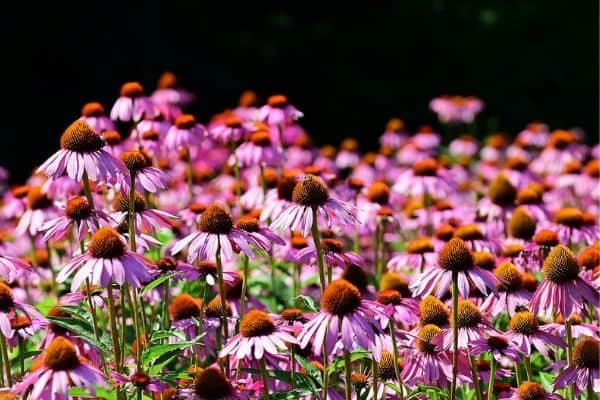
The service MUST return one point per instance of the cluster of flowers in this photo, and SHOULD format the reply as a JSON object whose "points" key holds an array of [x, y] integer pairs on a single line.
{"points": [[156, 256]]}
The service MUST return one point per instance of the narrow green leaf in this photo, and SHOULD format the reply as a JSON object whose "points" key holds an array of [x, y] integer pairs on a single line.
{"points": [[157, 282]]}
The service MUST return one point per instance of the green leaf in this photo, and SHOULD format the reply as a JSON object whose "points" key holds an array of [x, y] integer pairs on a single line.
{"points": [[77, 311], [312, 370], [338, 363], [308, 302], [286, 376], [291, 394], [28, 354], [152, 354], [83, 329], [157, 282], [101, 393]]}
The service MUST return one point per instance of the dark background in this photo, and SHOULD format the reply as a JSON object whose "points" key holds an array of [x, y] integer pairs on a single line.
{"points": [[348, 68]]}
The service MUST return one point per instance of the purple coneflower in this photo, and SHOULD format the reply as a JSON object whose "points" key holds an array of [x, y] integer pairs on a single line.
{"points": [[525, 331], [9, 309], [93, 114], [185, 311], [454, 257], [258, 336], [211, 384], [311, 199], [278, 111], [497, 346], [333, 250], [133, 104], [585, 371], [61, 369], [216, 234], [456, 109], [428, 365], [40, 209], [205, 270], [258, 151], [571, 226], [419, 255], [471, 326], [81, 154], [13, 268], [140, 381], [185, 132], [425, 177], [260, 236], [562, 288], [345, 320], [146, 219], [106, 261], [147, 177], [79, 218], [405, 310], [229, 129], [511, 293], [530, 391]]}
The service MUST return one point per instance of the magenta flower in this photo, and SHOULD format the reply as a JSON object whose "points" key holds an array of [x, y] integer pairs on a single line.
{"points": [[571, 226], [13, 268], [93, 114], [425, 177], [525, 331], [345, 321], [146, 219], [229, 129], [528, 391], [497, 346], [79, 218], [258, 336], [204, 270], [511, 293], [428, 365], [61, 369], [216, 234], [258, 151], [81, 153], [456, 109], [455, 256], [147, 177], [140, 380], [471, 326], [9, 309], [261, 237], [333, 250], [106, 261], [311, 196], [186, 132], [40, 209], [278, 111], [562, 289], [133, 105], [405, 310], [585, 371]]}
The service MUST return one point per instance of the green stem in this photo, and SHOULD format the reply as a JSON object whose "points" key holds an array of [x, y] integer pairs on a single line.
{"points": [[395, 347], [136, 327], [518, 374], [590, 389], [265, 378], [325, 373], [113, 325], [165, 315], [21, 356], [1, 370], [245, 268], [87, 190], [375, 371], [348, 375], [490, 392], [454, 334], [295, 284], [293, 362], [569, 334], [527, 362], [5, 359], [475, 374], [317, 241], [222, 291], [131, 213], [52, 271]]}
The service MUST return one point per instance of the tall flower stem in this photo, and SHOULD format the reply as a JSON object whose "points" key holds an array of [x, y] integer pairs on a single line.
{"points": [[51, 268], [392, 324], [112, 315], [375, 371], [518, 374], [475, 374], [454, 334], [1, 370], [5, 359], [348, 375], [325, 373], [131, 213], [245, 268], [21, 356], [89, 300], [222, 291], [527, 362], [490, 391], [87, 190], [320, 258], [378, 247], [165, 303], [293, 363], [296, 284], [136, 326], [569, 334], [265, 378]]}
